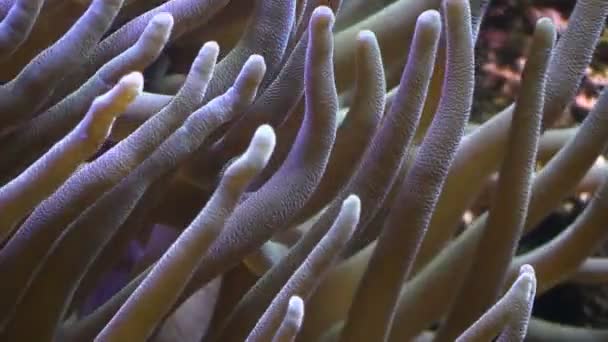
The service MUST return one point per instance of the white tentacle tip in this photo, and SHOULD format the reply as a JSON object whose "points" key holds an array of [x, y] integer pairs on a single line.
{"points": [[526, 281], [352, 205], [263, 143], [210, 47], [124, 91], [295, 307], [430, 18], [256, 61], [164, 19], [133, 81], [366, 36], [546, 29], [322, 16], [251, 76]]}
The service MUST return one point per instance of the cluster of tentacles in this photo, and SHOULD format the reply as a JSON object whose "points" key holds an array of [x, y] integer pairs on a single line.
{"points": [[276, 190]]}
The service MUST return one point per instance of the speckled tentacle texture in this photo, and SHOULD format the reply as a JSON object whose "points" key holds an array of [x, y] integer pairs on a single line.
{"points": [[357, 129], [451, 264], [310, 273], [559, 258], [394, 27], [33, 239], [266, 35], [24, 193], [30, 90], [399, 124], [293, 183], [258, 217], [292, 321], [31, 140], [271, 107], [104, 173], [155, 187], [136, 225], [508, 212], [373, 307], [187, 14], [371, 181], [478, 11], [287, 131], [136, 319], [486, 146], [508, 318], [81, 143], [84, 237]]}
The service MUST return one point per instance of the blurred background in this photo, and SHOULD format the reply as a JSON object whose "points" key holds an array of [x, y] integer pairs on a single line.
{"points": [[503, 44]]}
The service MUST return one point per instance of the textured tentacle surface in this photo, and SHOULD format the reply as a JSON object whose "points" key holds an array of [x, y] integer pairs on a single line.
{"points": [[308, 275], [84, 237], [504, 227], [187, 15], [373, 178], [486, 146], [31, 140], [292, 321], [454, 260], [135, 320], [397, 245], [23, 193], [242, 187], [297, 178], [357, 129], [508, 318], [38, 79]]}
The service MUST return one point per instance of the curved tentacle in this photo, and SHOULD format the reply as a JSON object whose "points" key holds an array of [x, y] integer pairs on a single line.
{"points": [[24, 95], [310, 273], [373, 179], [137, 317]]}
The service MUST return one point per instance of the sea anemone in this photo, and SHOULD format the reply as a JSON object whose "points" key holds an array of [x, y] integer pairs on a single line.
{"points": [[273, 189]]}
